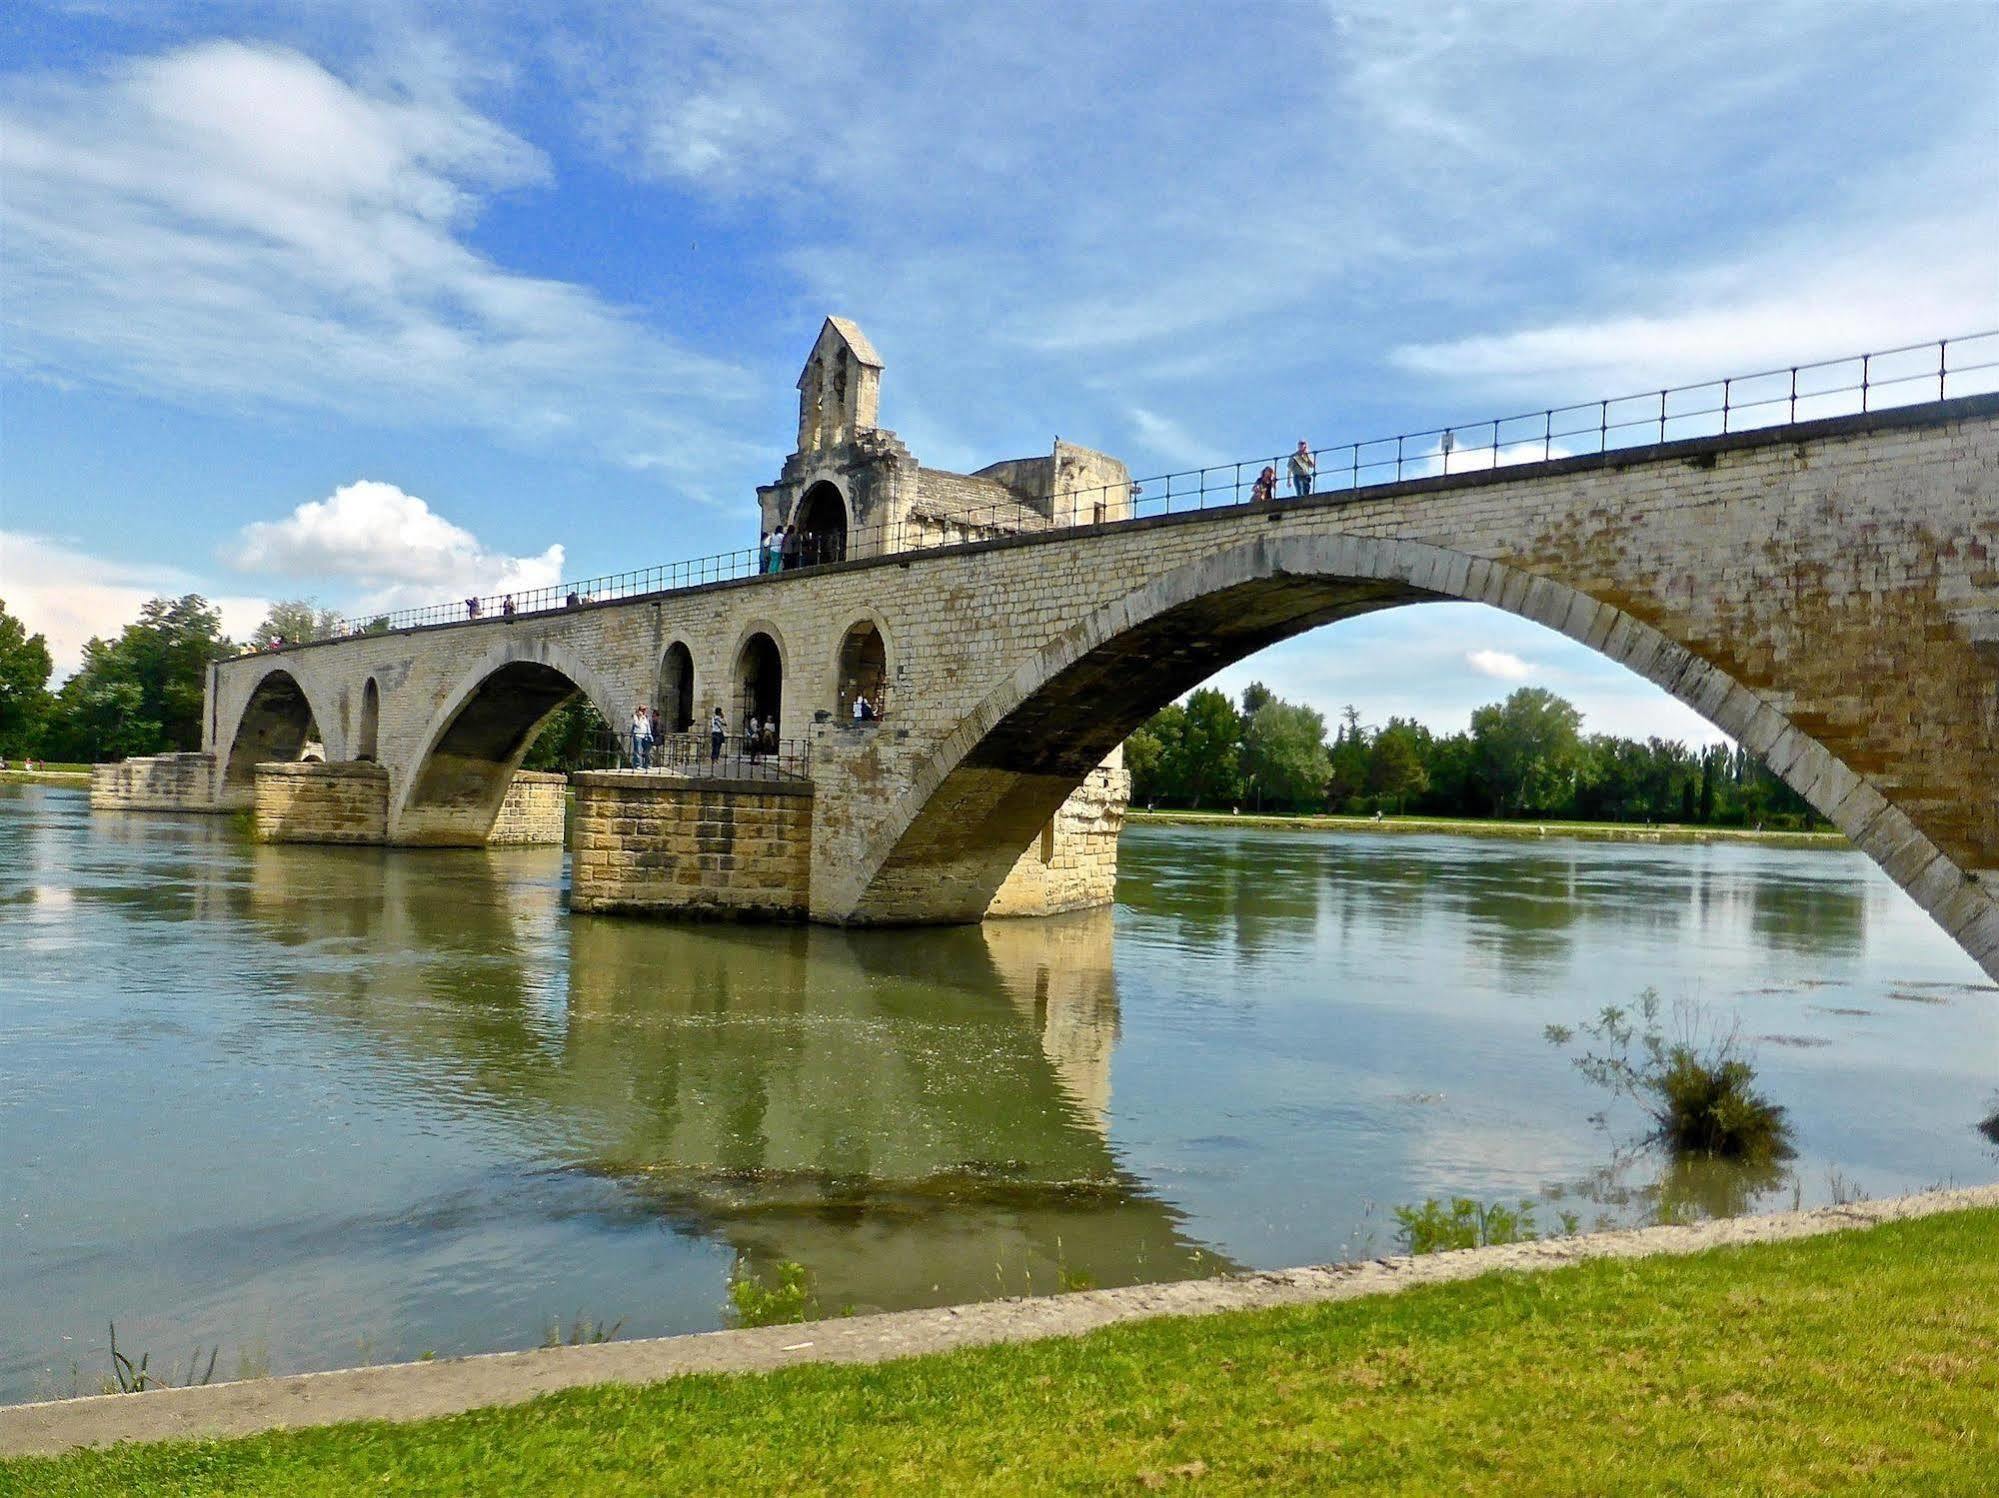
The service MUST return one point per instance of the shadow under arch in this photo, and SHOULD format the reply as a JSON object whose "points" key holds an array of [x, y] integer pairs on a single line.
{"points": [[820, 521], [984, 792], [276, 722], [451, 796]]}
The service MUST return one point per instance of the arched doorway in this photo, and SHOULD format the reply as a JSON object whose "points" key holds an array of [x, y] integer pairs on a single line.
{"points": [[862, 672], [276, 726], [371, 721], [675, 698], [759, 683], [821, 523]]}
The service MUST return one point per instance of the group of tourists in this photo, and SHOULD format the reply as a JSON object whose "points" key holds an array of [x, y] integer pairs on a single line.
{"points": [[648, 738], [791, 546], [1304, 468]]}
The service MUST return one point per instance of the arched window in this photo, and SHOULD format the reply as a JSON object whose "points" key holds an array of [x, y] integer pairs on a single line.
{"points": [[821, 523], [759, 683], [863, 671], [371, 721], [675, 698]]}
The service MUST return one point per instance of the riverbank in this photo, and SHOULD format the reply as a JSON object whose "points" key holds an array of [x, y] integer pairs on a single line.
{"points": [[79, 777], [1754, 1353], [1596, 832]]}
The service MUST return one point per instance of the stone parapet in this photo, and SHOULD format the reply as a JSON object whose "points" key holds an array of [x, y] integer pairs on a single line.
{"points": [[704, 847], [160, 782], [532, 813], [1073, 864], [316, 803]]}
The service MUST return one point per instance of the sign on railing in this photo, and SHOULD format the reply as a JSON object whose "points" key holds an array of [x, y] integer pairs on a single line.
{"points": [[1915, 374]]}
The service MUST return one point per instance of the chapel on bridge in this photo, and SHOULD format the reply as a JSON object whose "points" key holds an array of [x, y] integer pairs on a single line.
{"points": [[851, 489]]}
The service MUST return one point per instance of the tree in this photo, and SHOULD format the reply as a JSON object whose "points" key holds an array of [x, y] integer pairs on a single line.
{"points": [[295, 621], [1206, 763], [1254, 696], [1159, 776], [1395, 769], [569, 738], [1284, 754], [142, 693], [24, 686], [1527, 748]]}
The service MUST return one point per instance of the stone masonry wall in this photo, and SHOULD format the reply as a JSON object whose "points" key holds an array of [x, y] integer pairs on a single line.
{"points": [[1073, 864], [315, 803], [160, 782], [532, 813], [658, 844]]}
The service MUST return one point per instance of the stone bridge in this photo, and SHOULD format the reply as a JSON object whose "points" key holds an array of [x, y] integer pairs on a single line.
{"points": [[1826, 593]]}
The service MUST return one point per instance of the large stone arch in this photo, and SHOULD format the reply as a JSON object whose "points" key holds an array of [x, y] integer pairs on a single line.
{"points": [[948, 841], [452, 790], [279, 712]]}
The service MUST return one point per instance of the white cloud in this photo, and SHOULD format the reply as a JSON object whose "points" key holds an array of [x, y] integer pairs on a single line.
{"points": [[233, 224], [68, 595], [1502, 664], [386, 550]]}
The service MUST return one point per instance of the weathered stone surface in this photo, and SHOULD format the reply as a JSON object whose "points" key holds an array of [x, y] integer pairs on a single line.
{"points": [[160, 782], [320, 803], [533, 810], [657, 844]]}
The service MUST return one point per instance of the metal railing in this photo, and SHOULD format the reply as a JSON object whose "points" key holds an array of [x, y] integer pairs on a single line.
{"points": [[697, 754], [1914, 374]]}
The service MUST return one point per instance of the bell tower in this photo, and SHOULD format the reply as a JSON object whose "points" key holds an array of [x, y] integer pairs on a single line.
{"points": [[839, 391]]}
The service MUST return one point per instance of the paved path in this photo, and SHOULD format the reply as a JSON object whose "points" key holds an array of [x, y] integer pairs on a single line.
{"points": [[416, 1391]]}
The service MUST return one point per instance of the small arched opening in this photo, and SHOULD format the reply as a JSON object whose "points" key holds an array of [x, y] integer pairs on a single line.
{"points": [[820, 521], [277, 726], [759, 683], [862, 674], [371, 721], [675, 698]]}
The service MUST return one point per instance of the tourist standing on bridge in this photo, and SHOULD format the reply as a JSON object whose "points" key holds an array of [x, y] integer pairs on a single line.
{"points": [[1303, 466], [718, 730], [658, 738], [641, 738], [1265, 488], [788, 548]]}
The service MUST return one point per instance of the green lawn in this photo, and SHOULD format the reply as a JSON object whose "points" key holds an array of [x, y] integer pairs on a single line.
{"points": [[1863, 1361]]}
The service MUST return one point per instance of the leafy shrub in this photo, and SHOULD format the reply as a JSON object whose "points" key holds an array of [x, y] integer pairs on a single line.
{"points": [[754, 1303], [1698, 1087], [1431, 1228]]}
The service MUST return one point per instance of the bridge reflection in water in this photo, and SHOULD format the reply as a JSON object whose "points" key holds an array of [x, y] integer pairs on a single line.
{"points": [[918, 1117]]}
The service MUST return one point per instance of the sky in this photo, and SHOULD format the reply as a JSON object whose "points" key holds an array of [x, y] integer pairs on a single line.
{"points": [[386, 303]]}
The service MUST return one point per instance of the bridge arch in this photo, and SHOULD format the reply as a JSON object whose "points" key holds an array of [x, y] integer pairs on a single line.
{"points": [[984, 793], [475, 742], [278, 719]]}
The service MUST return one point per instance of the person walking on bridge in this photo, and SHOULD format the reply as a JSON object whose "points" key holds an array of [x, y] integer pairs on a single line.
{"points": [[718, 730], [641, 738], [1303, 467]]}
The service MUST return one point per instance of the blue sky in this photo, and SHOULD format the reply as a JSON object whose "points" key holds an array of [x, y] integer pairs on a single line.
{"points": [[510, 293]]}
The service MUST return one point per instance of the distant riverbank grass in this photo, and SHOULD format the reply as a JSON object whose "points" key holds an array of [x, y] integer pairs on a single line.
{"points": [[1865, 1360], [1666, 832]]}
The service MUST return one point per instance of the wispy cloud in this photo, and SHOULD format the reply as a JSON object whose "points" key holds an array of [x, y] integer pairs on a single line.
{"points": [[234, 224], [1501, 664]]}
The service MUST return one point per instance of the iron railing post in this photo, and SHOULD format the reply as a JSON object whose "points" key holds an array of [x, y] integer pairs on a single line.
{"points": [[1943, 346], [1725, 384], [1794, 394]]}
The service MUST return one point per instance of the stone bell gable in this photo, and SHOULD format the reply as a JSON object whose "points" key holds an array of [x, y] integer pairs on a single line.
{"points": [[853, 490]]}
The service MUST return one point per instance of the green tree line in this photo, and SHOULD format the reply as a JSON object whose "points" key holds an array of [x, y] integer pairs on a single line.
{"points": [[139, 692], [1524, 757]]}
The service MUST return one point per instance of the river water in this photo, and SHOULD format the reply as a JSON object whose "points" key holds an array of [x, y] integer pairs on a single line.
{"points": [[322, 1106]]}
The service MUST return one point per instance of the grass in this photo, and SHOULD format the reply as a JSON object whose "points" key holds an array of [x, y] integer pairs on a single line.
{"points": [[1670, 832], [1860, 1361]]}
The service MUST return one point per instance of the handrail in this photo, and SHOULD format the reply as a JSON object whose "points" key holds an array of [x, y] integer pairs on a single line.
{"points": [[1774, 397], [697, 754]]}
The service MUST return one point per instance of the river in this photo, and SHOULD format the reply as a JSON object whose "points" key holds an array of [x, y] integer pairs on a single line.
{"points": [[322, 1106]]}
